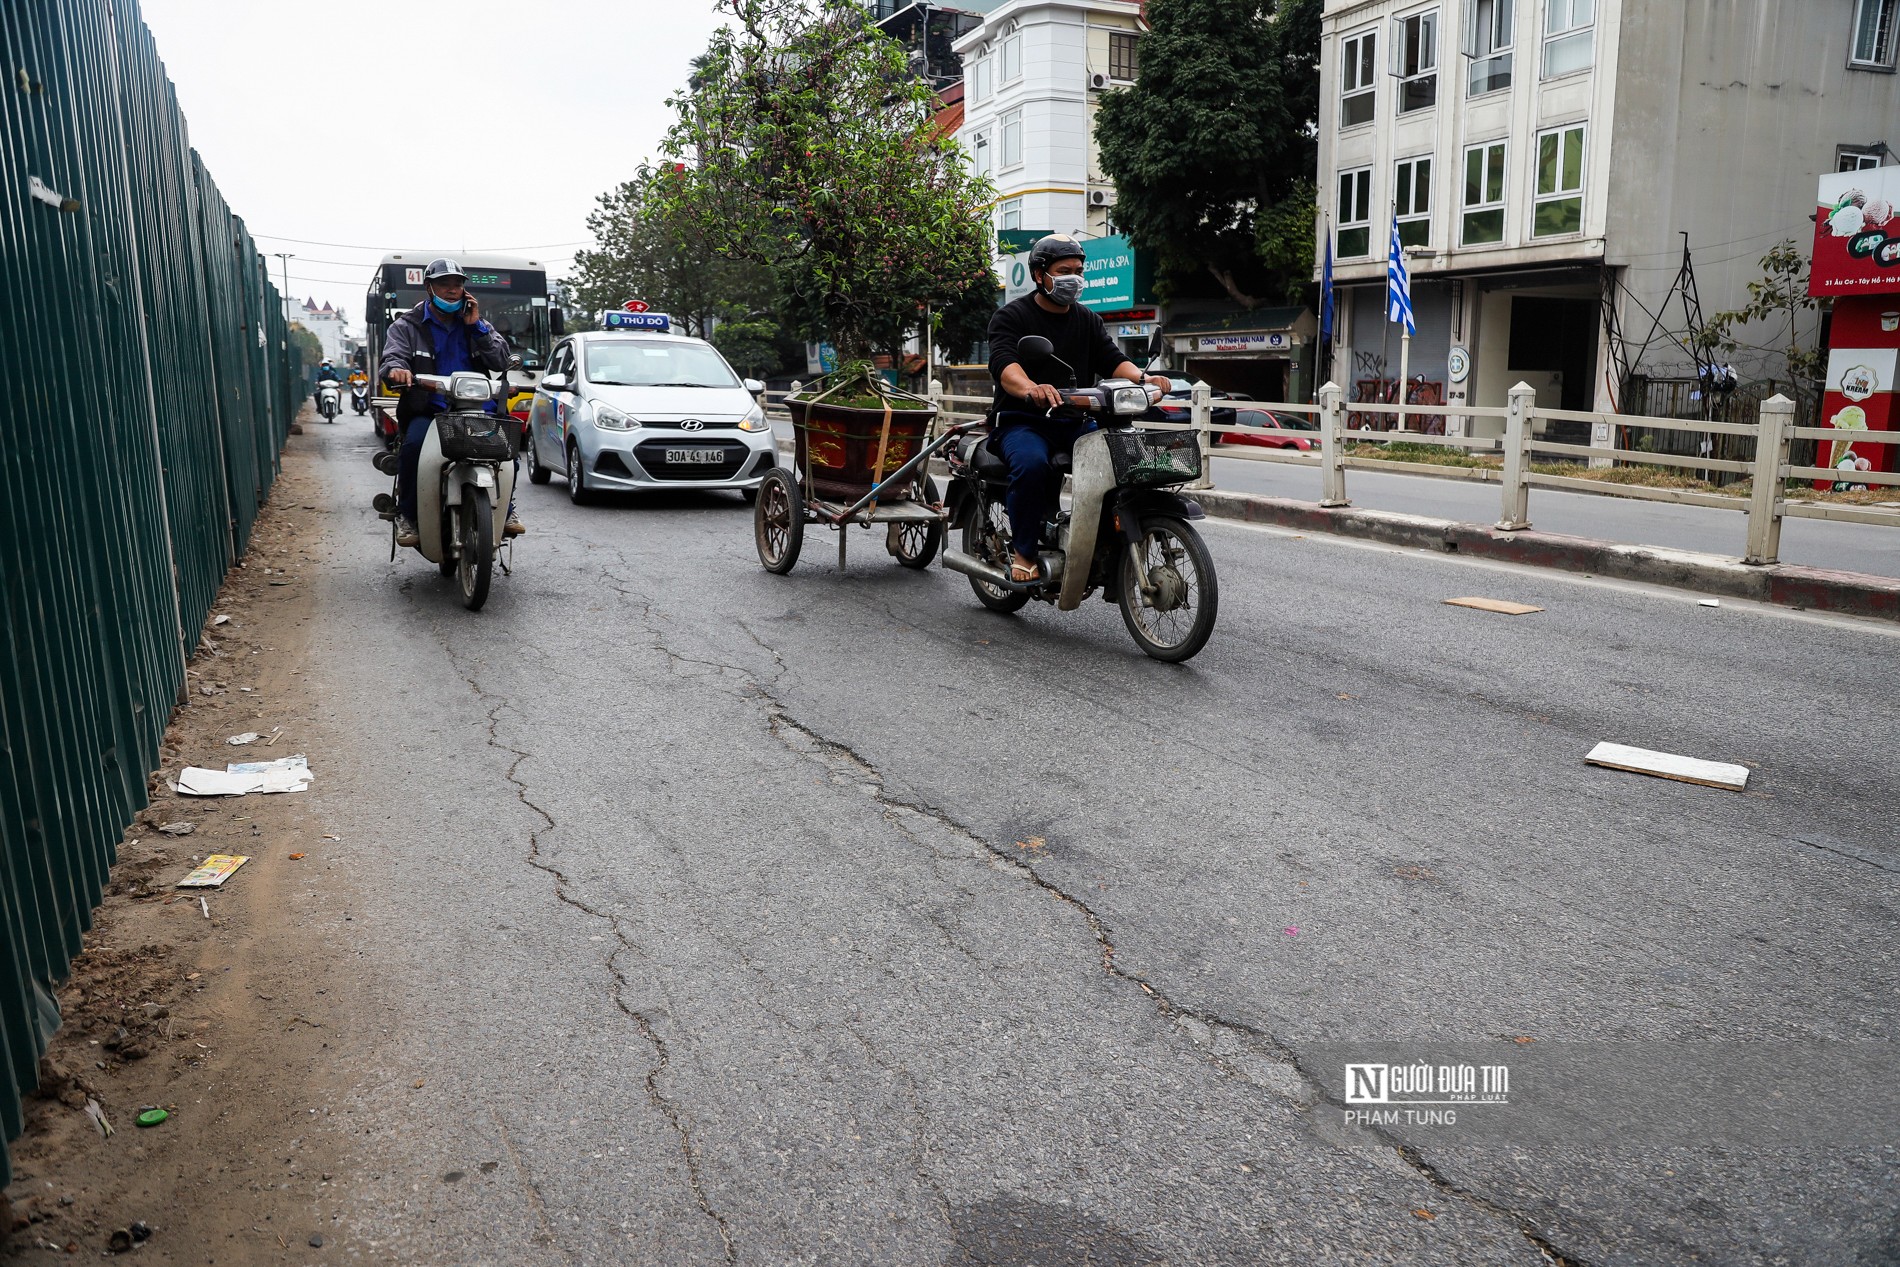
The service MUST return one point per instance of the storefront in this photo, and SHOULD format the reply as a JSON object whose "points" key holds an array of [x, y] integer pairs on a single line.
{"points": [[1118, 283], [1266, 354], [1857, 262]]}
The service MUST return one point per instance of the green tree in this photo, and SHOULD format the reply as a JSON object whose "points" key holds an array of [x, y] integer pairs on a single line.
{"points": [[1212, 149], [308, 346], [1777, 299], [803, 144]]}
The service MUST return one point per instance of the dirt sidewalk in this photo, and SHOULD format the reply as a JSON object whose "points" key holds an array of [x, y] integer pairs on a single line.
{"points": [[231, 1021]]}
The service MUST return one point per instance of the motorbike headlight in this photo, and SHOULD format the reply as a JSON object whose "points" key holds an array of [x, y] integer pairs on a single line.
{"points": [[472, 387], [613, 419], [754, 420], [1130, 400]]}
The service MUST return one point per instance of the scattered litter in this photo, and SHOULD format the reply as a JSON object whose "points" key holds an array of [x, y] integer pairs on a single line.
{"points": [[333, 837], [1344, 695], [119, 1242], [280, 582], [1667, 765], [249, 736], [152, 1117], [316, 1240], [419, 1082], [286, 774], [1425, 1214], [275, 735], [1032, 844], [205, 907], [1499, 605], [140, 1232], [98, 1116], [215, 871], [178, 829], [211, 690], [295, 856], [1708, 602], [219, 620], [1292, 931], [247, 689]]}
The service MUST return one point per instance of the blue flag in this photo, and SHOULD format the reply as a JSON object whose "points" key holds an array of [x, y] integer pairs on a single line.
{"points": [[1326, 291], [1398, 285]]}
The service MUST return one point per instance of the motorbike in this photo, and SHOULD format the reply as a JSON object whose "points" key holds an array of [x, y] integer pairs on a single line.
{"points": [[329, 399], [359, 397], [464, 482], [1125, 533]]}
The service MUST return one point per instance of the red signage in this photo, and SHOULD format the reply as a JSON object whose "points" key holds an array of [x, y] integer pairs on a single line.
{"points": [[1857, 234], [635, 305]]}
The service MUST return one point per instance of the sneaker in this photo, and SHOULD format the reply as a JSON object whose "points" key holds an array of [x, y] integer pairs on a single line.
{"points": [[406, 534], [514, 527]]}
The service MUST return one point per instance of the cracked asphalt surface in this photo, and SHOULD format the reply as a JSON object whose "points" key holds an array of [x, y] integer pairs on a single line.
{"points": [[713, 917]]}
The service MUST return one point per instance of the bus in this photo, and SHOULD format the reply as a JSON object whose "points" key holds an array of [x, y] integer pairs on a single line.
{"points": [[513, 291]]}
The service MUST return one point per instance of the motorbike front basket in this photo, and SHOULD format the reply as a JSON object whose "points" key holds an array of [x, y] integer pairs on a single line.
{"points": [[1152, 459], [474, 437]]}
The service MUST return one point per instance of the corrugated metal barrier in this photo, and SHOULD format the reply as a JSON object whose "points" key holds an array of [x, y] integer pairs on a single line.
{"points": [[149, 388]]}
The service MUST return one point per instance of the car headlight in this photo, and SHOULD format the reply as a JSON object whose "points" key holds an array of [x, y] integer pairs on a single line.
{"points": [[754, 420], [613, 419]]}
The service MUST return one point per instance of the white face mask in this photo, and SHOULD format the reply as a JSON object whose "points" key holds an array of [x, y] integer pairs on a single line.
{"points": [[1065, 289]]}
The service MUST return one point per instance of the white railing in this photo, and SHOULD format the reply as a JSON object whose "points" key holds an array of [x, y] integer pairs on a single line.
{"points": [[1765, 506]]}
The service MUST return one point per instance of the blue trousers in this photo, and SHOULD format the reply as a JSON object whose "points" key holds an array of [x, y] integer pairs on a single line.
{"points": [[410, 457], [1028, 442]]}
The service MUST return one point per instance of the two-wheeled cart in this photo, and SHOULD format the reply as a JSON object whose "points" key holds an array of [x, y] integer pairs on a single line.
{"points": [[856, 465]]}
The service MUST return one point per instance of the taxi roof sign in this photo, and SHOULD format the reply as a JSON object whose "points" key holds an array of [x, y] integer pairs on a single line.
{"points": [[650, 321], [637, 305]]}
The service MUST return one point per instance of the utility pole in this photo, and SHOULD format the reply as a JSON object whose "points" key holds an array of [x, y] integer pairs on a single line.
{"points": [[284, 258]]}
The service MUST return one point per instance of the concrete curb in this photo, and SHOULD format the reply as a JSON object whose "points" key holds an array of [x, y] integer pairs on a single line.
{"points": [[1804, 588]]}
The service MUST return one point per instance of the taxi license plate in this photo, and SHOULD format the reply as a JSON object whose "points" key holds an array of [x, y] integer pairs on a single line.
{"points": [[695, 457]]}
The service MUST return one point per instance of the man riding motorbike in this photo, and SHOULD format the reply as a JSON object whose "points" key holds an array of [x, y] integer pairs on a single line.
{"points": [[1028, 434], [326, 373], [448, 327]]}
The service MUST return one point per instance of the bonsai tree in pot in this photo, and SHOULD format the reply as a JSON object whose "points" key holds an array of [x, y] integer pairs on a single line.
{"points": [[804, 143]]}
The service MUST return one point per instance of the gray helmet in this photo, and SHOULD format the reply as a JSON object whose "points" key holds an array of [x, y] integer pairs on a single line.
{"points": [[1046, 251], [441, 268]]}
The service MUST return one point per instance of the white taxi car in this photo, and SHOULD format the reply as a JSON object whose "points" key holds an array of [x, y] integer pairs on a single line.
{"points": [[637, 407]]}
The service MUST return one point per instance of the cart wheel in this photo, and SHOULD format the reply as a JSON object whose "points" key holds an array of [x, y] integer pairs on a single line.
{"points": [[778, 522], [915, 544]]}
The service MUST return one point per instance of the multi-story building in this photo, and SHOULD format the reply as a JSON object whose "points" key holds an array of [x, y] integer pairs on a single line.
{"points": [[1543, 159], [1034, 73], [327, 323]]}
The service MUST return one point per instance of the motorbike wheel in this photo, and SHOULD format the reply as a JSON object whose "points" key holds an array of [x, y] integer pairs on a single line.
{"points": [[915, 544], [475, 561], [537, 474], [986, 537], [576, 477], [1173, 624], [778, 522]]}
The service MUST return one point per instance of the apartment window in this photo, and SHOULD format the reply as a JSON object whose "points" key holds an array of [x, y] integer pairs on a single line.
{"points": [[980, 156], [1488, 45], [1412, 201], [1873, 33], [1012, 60], [1013, 214], [1559, 202], [1857, 160], [1567, 35], [1012, 139], [1358, 78], [1121, 56], [1355, 213], [1484, 194], [979, 79], [1415, 55]]}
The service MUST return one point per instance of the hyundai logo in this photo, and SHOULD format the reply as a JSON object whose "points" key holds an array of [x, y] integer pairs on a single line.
{"points": [[691, 424]]}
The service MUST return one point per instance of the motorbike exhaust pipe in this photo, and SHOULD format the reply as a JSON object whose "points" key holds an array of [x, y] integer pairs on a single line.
{"points": [[970, 565]]}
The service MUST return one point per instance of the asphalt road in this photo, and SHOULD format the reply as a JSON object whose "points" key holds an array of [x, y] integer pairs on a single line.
{"points": [[716, 917], [1810, 542]]}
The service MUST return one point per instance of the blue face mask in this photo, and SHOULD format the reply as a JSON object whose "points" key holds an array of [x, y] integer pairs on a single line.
{"points": [[444, 305]]}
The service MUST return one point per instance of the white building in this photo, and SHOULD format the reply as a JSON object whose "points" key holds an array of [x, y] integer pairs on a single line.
{"points": [[1034, 73], [1542, 159], [327, 324]]}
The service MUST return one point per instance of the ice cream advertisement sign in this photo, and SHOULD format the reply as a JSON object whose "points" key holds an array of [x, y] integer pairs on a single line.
{"points": [[1857, 233]]}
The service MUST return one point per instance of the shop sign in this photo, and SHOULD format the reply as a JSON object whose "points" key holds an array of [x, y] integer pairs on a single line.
{"points": [[1857, 233], [1108, 273], [1139, 330], [1264, 341], [1016, 281]]}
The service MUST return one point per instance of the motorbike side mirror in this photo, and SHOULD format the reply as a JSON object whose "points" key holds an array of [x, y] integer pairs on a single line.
{"points": [[514, 361], [557, 322], [1038, 356]]}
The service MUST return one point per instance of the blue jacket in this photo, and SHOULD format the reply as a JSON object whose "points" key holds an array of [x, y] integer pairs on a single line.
{"points": [[445, 345]]}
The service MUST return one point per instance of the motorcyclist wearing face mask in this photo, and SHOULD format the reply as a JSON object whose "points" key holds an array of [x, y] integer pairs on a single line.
{"points": [[1026, 436], [448, 326]]}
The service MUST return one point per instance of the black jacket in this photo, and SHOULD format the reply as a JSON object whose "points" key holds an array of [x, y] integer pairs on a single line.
{"points": [[1081, 341]]}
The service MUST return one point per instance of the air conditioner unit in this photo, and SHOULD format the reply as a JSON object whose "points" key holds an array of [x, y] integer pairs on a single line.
{"points": [[1101, 197], [1098, 81]]}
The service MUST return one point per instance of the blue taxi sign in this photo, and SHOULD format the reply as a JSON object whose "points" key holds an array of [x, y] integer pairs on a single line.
{"points": [[614, 320]]}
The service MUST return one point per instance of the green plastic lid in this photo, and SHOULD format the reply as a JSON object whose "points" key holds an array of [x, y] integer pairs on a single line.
{"points": [[152, 1117]]}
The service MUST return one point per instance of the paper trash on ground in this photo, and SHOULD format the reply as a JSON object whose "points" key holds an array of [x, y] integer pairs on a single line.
{"points": [[249, 736], [287, 774], [215, 871]]}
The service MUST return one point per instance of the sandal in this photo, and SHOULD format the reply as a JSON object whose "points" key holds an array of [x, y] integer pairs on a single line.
{"points": [[1022, 575]]}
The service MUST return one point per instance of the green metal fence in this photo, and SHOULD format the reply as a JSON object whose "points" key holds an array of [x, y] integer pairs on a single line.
{"points": [[149, 387]]}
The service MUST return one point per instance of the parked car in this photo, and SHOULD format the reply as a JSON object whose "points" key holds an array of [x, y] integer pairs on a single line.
{"points": [[1269, 430], [1176, 406]]}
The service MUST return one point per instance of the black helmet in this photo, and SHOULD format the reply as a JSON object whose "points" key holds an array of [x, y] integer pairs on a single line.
{"points": [[1046, 251], [441, 268]]}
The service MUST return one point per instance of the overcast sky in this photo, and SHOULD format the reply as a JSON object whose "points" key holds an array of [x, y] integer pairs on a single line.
{"points": [[366, 126]]}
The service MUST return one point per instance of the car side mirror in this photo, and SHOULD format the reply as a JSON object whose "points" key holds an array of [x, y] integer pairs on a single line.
{"points": [[754, 386], [554, 382]]}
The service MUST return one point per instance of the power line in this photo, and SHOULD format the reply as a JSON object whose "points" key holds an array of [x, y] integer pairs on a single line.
{"points": [[383, 249]]}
